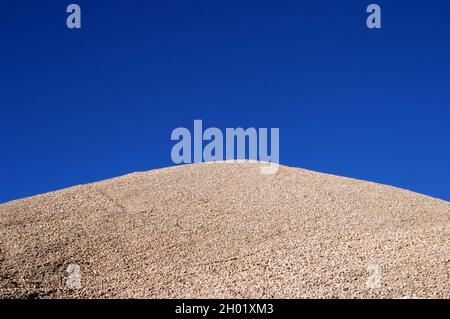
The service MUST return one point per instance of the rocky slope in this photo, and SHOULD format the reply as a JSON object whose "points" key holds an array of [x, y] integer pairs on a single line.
{"points": [[226, 230]]}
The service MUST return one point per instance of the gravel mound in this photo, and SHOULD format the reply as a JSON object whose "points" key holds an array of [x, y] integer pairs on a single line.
{"points": [[226, 231]]}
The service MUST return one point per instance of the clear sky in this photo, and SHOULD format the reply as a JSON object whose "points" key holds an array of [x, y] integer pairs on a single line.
{"points": [[78, 106]]}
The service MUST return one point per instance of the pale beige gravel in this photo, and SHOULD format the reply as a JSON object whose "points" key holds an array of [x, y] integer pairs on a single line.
{"points": [[226, 231]]}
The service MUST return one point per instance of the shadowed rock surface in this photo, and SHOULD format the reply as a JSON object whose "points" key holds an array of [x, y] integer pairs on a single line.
{"points": [[225, 230]]}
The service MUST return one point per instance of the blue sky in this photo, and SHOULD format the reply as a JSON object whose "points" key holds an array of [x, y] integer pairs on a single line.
{"points": [[78, 106]]}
